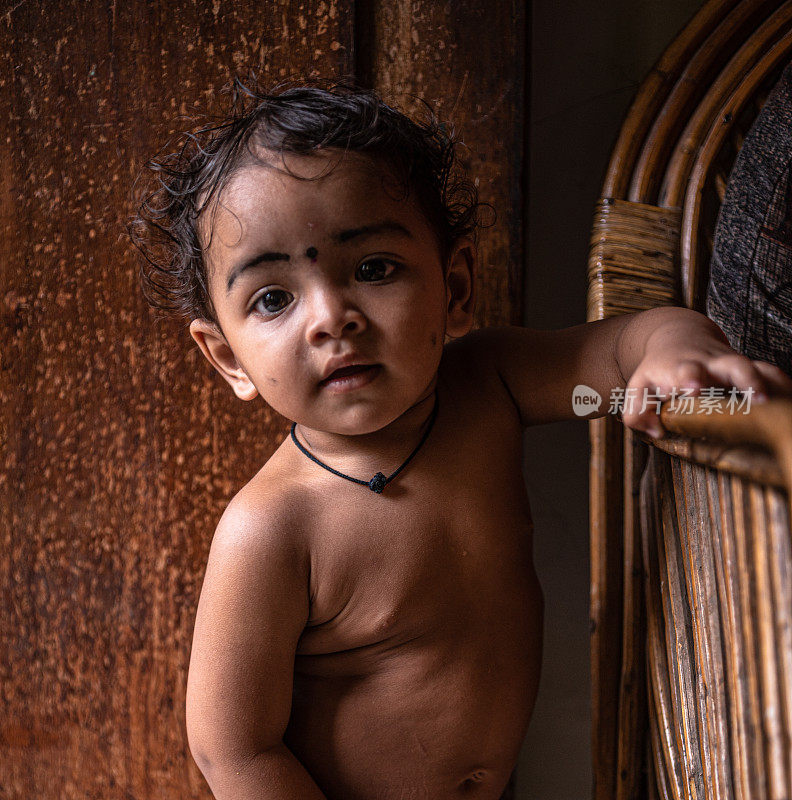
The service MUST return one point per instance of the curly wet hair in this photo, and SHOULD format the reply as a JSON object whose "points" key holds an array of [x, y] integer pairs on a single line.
{"points": [[177, 186]]}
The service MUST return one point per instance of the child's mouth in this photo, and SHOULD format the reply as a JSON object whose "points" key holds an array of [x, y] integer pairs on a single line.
{"points": [[351, 377]]}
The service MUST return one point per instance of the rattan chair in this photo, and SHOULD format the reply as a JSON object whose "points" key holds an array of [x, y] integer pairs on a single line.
{"points": [[691, 577]]}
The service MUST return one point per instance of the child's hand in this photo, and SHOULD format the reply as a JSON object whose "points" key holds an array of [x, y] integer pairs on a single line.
{"points": [[690, 353]]}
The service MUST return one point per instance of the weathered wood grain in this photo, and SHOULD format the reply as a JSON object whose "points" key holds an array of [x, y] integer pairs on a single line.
{"points": [[120, 446], [731, 618], [678, 637], [632, 685], [667, 768], [721, 575], [606, 515], [779, 546]]}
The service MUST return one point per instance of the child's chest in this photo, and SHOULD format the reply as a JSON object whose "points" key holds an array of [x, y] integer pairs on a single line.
{"points": [[446, 548]]}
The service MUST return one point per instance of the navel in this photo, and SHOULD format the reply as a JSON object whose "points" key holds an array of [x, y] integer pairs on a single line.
{"points": [[474, 779]]}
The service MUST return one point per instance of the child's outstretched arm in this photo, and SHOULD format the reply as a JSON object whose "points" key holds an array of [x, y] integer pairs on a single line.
{"points": [[253, 608], [657, 351]]}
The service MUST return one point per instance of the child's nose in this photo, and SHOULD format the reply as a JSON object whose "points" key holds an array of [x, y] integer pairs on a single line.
{"points": [[333, 315]]}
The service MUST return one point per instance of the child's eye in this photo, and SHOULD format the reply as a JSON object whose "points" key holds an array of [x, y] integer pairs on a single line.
{"points": [[273, 300], [375, 269]]}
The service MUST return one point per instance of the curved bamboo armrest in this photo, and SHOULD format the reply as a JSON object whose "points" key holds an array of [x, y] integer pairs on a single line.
{"points": [[737, 443]]}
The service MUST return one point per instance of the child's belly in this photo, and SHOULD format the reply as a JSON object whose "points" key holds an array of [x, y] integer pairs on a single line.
{"points": [[434, 707]]}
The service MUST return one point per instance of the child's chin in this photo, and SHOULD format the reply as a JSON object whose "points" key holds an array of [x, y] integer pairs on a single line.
{"points": [[360, 426]]}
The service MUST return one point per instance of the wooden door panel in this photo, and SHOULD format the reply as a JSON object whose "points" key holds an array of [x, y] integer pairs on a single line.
{"points": [[121, 447]]}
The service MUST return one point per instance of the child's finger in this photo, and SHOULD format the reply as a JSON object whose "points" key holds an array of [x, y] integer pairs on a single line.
{"points": [[690, 375], [729, 370], [640, 416], [738, 371]]}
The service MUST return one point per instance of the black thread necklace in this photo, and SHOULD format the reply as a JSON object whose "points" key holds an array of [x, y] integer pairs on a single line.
{"points": [[379, 481]]}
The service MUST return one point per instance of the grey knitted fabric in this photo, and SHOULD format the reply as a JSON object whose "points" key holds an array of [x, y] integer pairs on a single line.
{"points": [[750, 288]]}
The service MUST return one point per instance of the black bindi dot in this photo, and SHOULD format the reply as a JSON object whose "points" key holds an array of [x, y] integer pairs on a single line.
{"points": [[311, 252]]}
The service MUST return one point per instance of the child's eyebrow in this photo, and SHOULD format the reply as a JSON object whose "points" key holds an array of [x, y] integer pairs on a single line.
{"points": [[387, 225], [253, 262]]}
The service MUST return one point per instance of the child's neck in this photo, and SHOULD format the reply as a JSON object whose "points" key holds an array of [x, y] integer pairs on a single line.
{"points": [[381, 450]]}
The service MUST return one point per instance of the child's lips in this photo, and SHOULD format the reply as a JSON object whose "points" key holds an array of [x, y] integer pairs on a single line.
{"points": [[351, 377]]}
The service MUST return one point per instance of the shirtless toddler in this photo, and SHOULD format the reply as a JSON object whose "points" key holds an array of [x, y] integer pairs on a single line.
{"points": [[359, 638]]}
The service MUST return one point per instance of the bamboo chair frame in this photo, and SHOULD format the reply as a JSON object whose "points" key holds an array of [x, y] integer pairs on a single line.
{"points": [[651, 244]]}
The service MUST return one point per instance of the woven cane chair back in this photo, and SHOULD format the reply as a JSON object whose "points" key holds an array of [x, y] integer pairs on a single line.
{"points": [[691, 577]]}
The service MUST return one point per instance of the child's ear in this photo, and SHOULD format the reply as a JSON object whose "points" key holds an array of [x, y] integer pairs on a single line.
{"points": [[460, 287], [220, 355]]}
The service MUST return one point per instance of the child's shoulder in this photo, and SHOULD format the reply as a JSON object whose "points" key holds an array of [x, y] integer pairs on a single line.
{"points": [[471, 364], [477, 348], [266, 517]]}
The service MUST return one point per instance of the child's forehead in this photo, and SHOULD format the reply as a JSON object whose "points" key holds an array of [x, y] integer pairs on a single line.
{"points": [[264, 207], [327, 184]]}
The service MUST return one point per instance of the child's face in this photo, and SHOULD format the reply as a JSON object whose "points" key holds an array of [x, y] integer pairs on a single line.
{"points": [[308, 276]]}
